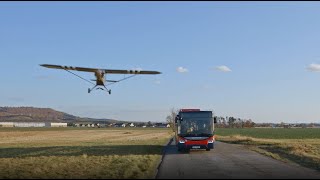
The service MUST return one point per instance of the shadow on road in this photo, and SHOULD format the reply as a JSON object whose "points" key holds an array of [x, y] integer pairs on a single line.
{"points": [[81, 150], [172, 149]]}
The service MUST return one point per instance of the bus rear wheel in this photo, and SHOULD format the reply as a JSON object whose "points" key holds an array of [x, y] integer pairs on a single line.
{"points": [[207, 149]]}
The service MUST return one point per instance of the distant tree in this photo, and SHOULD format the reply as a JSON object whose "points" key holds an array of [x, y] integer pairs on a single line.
{"points": [[248, 124], [141, 124], [221, 122], [149, 124], [231, 122], [71, 124], [171, 118], [224, 123]]}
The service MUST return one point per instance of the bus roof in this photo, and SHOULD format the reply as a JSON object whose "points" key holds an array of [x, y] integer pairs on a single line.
{"points": [[189, 110]]}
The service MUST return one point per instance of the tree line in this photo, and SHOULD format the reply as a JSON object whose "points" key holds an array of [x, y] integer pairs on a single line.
{"points": [[232, 122]]}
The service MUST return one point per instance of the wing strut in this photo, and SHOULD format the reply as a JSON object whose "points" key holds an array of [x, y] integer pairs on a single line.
{"points": [[121, 79], [95, 84], [79, 76]]}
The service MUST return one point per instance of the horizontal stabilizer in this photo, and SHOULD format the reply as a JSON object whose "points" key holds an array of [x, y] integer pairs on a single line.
{"points": [[106, 80]]}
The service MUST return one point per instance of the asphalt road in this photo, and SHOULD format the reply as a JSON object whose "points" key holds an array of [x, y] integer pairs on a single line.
{"points": [[228, 161]]}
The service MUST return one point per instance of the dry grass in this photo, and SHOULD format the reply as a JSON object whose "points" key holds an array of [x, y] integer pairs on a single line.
{"points": [[83, 153], [305, 152]]}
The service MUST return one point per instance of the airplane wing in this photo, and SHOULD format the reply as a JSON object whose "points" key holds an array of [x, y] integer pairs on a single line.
{"points": [[114, 71], [69, 68], [110, 71]]}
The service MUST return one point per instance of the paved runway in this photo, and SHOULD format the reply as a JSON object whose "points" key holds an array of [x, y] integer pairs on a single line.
{"points": [[228, 161]]}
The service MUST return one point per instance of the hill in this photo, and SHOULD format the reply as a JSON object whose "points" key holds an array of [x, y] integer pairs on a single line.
{"points": [[32, 114]]}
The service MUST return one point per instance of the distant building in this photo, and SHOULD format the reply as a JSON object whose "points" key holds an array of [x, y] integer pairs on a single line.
{"points": [[287, 125], [119, 125], [24, 124], [59, 124], [162, 125], [6, 124], [29, 124]]}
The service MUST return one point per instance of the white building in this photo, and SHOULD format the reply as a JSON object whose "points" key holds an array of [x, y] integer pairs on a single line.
{"points": [[59, 124], [29, 124], [6, 124]]}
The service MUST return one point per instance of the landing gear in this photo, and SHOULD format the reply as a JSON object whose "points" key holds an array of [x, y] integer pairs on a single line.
{"points": [[207, 149], [109, 91], [89, 90]]}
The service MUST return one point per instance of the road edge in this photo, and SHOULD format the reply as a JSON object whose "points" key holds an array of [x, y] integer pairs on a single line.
{"points": [[163, 154]]}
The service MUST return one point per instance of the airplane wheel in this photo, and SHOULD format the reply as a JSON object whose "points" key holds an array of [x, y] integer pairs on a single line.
{"points": [[109, 91], [88, 90]]}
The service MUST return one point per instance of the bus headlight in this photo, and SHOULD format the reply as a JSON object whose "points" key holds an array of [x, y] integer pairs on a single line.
{"points": [[211, 140]]}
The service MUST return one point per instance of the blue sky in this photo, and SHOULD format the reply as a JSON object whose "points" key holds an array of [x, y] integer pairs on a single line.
{"points": [[257, 60]]}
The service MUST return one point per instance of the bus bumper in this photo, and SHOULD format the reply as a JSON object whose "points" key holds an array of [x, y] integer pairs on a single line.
{"points": [[195, 146]]}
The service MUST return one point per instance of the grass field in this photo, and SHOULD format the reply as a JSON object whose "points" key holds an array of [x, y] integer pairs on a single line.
{"points": [[272, 133], [83, 153], [301, 146]]}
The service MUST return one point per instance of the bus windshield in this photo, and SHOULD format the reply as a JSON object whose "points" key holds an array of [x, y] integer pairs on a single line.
{"points": [[196, 124]]}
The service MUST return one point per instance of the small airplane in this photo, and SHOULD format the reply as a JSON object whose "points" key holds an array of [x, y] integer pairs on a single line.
{"points": [[100, 74]]}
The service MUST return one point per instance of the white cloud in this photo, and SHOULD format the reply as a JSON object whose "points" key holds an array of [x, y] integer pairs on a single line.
{"points": [[182, 70], [314, 67], [223, 69], [157, 82]]}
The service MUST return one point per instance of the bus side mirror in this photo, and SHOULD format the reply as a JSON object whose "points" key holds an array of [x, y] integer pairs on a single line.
{"points": [[178, 118], [215, 119]]}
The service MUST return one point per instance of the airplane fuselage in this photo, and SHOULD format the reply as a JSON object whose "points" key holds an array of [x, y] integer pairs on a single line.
{"points": [[100, 78]]}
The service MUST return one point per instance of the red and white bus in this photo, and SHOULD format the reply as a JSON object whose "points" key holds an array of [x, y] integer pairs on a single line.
{"points": [[194, 129]]}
